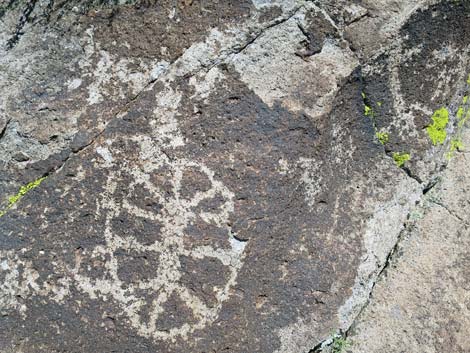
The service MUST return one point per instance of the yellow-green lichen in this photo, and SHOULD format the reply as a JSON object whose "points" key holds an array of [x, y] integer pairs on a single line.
{"points": [[401, 158], [456, 144], [21, 192], [462, 121], [383, 137], [437, 130], [462, 116], [368, 111]]}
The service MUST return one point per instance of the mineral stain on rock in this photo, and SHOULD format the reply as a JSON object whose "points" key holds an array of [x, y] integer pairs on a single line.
{"points": [[221, 176]]}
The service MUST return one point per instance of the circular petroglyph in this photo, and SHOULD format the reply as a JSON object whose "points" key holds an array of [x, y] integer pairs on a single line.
{"points": [[165, 258], [144, 275]]}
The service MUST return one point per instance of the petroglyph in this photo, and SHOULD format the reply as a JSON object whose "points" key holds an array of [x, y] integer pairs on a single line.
{"points": [[227, 176], [110, 75], [176, 214], [178, 208], [19, 280]]}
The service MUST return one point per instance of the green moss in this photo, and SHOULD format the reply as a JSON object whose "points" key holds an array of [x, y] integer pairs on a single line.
{"points": [[464, 100], [21, 192], [437, 131], [383, 137], [401, 158], [460, 113], [468, 79], [379, 104]]}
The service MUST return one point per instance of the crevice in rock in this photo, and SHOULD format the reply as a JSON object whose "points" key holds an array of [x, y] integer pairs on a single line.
{"points": [[388, 261], [391, 256], [311, 47], [449, 211], [358, 19], [238, 50], [345, 334], [412, 175], [337, 342], [318, 348], [4, 129], [430, 185], [49, 10], [61, 160], [57, 161], [24, 18]]}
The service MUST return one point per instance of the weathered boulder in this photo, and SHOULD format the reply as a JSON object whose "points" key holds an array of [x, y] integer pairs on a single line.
{"points": [[214, 176]]}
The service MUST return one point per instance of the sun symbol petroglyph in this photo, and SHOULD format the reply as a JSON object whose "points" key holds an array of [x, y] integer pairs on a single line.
{"points": [[170, 277], [176, 212]]}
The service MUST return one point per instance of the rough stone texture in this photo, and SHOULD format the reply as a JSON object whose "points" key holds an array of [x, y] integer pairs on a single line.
{"points": [[422, 303], [214, 180]]}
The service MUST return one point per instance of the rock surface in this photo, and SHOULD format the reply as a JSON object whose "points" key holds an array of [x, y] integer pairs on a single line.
{"points": [[225, 176], [422, 303]]}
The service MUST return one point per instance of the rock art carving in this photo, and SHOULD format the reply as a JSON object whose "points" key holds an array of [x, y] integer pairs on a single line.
{"points": [[176, 214], [233, 176]]}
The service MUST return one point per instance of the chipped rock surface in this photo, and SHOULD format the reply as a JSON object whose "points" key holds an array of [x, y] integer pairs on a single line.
{"points": [[229, 176]]}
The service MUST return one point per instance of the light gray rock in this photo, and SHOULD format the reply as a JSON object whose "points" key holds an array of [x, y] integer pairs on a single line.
{"points": [[422, 304]]}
